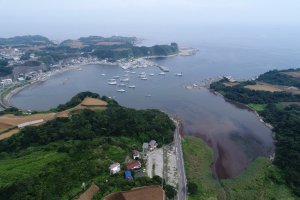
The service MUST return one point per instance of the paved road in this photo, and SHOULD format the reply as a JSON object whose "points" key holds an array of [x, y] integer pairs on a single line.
{"points": [[182, 190]]}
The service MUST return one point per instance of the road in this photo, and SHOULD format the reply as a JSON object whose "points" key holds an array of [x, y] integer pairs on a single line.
{"points": [[182, 189]]}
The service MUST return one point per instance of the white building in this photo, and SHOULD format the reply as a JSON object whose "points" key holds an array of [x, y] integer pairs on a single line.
{"points": [[6, 81]]}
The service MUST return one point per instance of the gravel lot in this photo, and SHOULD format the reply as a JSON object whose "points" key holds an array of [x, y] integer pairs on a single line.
{"points": [[155, 157]]}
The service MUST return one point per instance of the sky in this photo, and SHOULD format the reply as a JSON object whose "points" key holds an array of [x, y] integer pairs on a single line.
{"points": [[157, 19]]}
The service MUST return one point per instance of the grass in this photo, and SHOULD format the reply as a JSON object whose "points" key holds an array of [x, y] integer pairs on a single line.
{"points": [[198, 158], [261, 180], [257, 107], [11, 170]]}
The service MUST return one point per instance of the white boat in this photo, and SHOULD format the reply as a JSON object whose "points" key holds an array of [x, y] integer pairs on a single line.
{"points": [[144, 78], [103, 74], [179, 74], [112, 82], [121, 90], [162, 73], [133, 72], [131, 86], [124, 79], [148, 95], [151, 74], [121, 85]]}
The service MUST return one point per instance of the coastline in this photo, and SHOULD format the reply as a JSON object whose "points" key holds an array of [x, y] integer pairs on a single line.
{"points": [[245, 106], [5, 100]]}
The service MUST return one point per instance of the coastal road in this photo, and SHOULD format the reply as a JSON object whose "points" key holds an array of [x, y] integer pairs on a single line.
{"points": [[182, 189]]}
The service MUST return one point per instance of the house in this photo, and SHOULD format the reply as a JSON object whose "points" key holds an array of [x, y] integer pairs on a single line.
{"points": [[152, 145], [134, 165], [135, 154], [128, 175], [114, 168], [145, 147]]}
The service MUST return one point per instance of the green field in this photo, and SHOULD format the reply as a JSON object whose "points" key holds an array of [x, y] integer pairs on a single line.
{"points": [[262, 180], [257, 107], [26, 166]]}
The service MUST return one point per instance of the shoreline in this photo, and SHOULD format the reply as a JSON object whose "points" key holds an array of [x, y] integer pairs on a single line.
{"points": [[5, 100], [245, 106]]}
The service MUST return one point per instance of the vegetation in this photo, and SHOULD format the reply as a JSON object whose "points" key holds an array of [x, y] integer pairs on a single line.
{"points": [[276, 77], [25, 40], [262, 180], [285, 120], [241, 94], [52, 161], [4, 70]]}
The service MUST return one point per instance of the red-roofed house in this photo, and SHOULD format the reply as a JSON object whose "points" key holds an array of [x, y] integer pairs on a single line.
{"points": [[134, 165]]}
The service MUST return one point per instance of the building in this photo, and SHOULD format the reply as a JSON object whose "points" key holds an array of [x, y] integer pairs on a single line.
{"points": [[152, 145], [114, 168], [128, 175], [145, 147], [6, 81], [134, 165], [135, 154]]}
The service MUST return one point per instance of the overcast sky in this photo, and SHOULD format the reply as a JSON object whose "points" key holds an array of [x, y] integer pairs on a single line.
{"points": [[60, 19]]}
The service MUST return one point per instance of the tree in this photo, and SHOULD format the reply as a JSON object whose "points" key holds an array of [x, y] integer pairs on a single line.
{"points": [[170, 191], [192, 188]]}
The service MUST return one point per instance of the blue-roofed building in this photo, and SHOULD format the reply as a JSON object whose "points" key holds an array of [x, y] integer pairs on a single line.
{"points": [[128, 175]]}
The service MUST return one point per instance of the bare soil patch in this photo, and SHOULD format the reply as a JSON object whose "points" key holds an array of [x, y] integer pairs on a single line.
{"points": [[264, 87], [88, 101], [144, 193], [4, 126], [89, 193], [293, 74], [74, 44], [231, 84], [9, 133], [109, 43], [10, 121], [273, 88], [15, 120]]}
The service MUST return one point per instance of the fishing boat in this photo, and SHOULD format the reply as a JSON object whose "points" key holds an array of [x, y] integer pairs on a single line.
{"points": [[112, 82], [124, 79], [121, 90], [121, 85]]}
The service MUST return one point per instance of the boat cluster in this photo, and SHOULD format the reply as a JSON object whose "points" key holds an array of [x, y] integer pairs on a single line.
{"points": [[122, 81]]}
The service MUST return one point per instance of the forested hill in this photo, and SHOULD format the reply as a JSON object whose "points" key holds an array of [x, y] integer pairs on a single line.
{"points": [[53, 160], [25, 40], [275, 96]]}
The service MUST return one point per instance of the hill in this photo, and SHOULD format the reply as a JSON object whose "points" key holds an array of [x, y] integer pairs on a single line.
{"points": [[53, 160]]}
